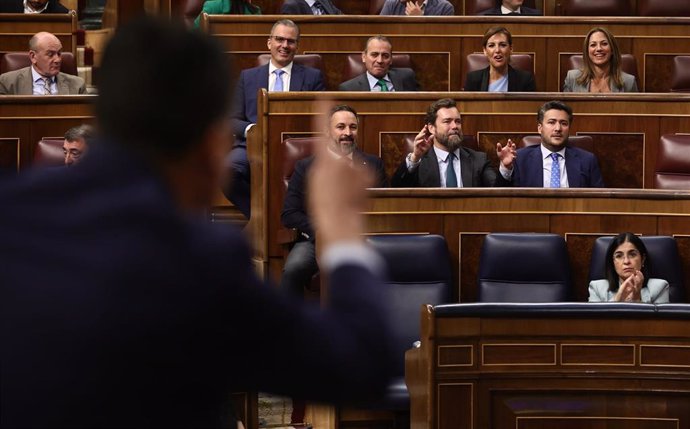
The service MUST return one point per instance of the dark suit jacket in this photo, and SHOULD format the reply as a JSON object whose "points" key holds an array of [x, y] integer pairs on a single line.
{"points": [[251, 80], [523, 11], [118, 310], [294, 213], [17, 6], [581, 167], [403, 80], [300, 7], [518, 80], [475, 170]]}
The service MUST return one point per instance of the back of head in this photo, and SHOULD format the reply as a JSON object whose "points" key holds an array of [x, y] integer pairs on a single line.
{"points": [[161, 88]]}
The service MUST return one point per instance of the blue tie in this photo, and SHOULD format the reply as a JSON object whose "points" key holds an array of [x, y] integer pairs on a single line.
{"points": [[451, 178], [279, 80], [555, 171]]}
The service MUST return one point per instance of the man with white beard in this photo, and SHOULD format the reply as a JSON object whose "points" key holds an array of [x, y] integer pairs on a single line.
{"points": [[341, 138], [449, 164]]}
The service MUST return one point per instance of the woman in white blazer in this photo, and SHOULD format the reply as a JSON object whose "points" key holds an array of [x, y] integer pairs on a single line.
{"points": [[627, 280], [601, 66]]}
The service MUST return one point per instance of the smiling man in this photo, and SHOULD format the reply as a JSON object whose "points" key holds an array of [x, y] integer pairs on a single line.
{"points": [[43, 76], [511, 7], [380, 76], [280, 74], [553, 163]]}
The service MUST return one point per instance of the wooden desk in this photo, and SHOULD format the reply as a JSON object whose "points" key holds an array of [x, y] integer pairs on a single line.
{"points": [[627, 126], [525, 370], [17, 29], [438, 46]]}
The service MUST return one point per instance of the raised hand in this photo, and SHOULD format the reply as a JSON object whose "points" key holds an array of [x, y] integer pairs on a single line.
{"points": [[422, 144], [413, 9], [507, 154]]}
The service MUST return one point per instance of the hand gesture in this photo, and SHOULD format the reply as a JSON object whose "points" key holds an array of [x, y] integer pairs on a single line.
{"points": [[422, 144], [507, 154], [630, 289], [413, 9]]}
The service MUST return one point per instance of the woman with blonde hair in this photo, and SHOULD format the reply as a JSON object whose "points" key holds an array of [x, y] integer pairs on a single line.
{"points": [[601, 66]]}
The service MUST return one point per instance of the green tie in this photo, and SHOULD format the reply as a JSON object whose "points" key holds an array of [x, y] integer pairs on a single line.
{"points": [[383, 85]]}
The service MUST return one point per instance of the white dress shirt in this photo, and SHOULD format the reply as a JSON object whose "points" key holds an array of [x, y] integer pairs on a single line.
{"points": [[373, 82], [286, 76], [547, 162], [39, 83], [442, 158]]}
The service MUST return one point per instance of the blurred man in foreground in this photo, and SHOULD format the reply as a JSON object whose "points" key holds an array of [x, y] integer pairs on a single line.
{"points": [[122, 306]]}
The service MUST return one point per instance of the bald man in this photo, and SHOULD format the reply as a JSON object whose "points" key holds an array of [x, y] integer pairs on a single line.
{"points": [[43, 76]]}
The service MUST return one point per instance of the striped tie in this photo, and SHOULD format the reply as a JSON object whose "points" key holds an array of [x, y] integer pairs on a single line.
{"points": [[46, 86]]}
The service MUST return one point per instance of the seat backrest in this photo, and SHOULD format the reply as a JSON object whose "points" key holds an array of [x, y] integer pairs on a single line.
{"points": [[628, 64], [475, 7], [665, 262], [596, 8], [308, 60], [355, 67], [524, 267], [18, 60], [375, 6], [190, 10], [419, 272], [582, 142], [680, 82], [663, 7], [673, 163], [295, 149], [48, 152]]}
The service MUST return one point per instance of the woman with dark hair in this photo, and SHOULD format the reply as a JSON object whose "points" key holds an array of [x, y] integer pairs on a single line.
{"points": [[499, 76], [227, 7], [627, 274], [601, 66]]}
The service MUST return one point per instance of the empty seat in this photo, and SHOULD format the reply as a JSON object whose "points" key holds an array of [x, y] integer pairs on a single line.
{"points": [[524, 267], [18, 60], [673, 163], [356, 67], [596, 8], [665, 262], [680, 82], [48, 152], [663, 7]]}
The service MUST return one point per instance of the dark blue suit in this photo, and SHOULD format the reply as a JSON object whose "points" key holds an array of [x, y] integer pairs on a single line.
{"points": [[527, 11], [581, 167], [118, 310], [244, 113]]}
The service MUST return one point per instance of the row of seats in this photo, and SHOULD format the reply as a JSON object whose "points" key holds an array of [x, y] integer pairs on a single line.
{"points": [[672, 168]]}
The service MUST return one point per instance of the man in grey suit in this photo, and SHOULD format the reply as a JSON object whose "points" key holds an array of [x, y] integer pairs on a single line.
{"points": [[309, 7], [378, 57], [43, 76], [449, 164]]}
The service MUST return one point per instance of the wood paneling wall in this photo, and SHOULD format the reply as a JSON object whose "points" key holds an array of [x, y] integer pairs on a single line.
{"points": [[17, 29]]}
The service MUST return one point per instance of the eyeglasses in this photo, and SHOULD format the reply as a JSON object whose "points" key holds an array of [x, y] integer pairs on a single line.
{"points": [[280, 40]]}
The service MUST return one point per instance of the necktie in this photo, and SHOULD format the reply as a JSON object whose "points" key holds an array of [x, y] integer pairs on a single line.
{"points": [[555, 171], [317, 8], [46, 86], [278, 86], [384, 86], [451, 178], [514, 13]]}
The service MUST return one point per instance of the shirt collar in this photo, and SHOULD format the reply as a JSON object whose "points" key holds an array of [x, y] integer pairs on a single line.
{"points": [[36, 75], [506, 11], [374, 80], [310, 2], [545, 153], [27, 9], [442, 155], [287, 69]]}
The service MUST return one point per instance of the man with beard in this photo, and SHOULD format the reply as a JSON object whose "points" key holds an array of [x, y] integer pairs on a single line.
{"points": [[553, 163], [449, 164], [341, 137]]}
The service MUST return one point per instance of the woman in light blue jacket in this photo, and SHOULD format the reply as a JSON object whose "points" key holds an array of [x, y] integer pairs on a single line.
{"points": [[627, 279]]}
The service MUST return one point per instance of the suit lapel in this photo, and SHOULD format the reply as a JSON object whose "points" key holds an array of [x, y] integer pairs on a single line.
{"points": [[363, 83], [428, 170], [534, 175], [262, 79], [62, 84], [572, 168], [25, 83], [328, 7], [485, 80], [465, 168], [396, 79], [297, 78]]}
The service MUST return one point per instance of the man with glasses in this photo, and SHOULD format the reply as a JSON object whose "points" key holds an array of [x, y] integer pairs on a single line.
{"points": [[76, 143], [280, 74]]}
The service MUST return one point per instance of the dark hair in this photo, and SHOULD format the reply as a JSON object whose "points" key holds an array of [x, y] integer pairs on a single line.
{"points": [[497, 30], [341, 108], [82, 132], [554, 105], [286, 22], [380, 38], [444, 103], [237, 7], [610, 271], [615, 72], [147, 102]]}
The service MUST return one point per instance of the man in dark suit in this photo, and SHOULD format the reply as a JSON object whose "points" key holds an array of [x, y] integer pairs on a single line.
{"points": [[32, 6], [553, 163], [341, 142], [43, 76], [439, 159], [377, 58], [121, 305], [511, 7], [309, 7], [280, 74]]}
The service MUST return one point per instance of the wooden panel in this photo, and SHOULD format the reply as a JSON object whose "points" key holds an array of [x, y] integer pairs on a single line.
{"points": [[518, 354], [9, 155], [455, 403], [17, 29], [460, 355], [665, 356], [598, 354]]}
